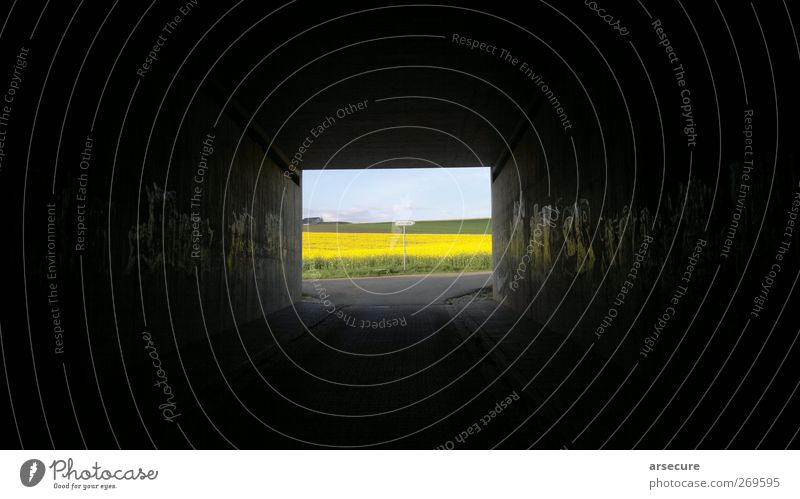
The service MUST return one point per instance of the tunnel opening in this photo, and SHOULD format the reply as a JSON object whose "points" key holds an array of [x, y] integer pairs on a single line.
{"points": [[396, 221]]}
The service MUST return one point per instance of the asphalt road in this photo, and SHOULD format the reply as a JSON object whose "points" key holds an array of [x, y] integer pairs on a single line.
{"points": [[393, 366], [396, 290]]}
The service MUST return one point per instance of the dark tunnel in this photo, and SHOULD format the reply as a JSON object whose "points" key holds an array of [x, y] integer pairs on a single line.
{"points": [[644, 192]]}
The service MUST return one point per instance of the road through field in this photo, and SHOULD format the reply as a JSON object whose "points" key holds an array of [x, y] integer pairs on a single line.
{"points": [[396, 290]]}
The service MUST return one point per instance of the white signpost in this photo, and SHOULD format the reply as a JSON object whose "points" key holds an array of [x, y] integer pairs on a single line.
{"points": [[404, 224]]}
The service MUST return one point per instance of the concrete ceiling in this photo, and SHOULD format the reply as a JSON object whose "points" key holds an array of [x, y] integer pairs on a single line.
{"points": [[392, 91]]}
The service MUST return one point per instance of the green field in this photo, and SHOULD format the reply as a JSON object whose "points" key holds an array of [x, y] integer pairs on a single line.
{"points": [[468, 226], [386, 266]]}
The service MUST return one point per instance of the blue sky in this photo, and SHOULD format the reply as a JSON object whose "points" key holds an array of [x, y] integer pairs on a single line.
{"points": [[397, 194]]}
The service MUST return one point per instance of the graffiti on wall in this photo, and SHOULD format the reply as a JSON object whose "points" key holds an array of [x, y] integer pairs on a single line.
{"points": [[145, 239]]}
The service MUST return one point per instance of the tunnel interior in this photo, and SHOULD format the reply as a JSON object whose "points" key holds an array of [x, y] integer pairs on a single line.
{"points": [[177, 202]]}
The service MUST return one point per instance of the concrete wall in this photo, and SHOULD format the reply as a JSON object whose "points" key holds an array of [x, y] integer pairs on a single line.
{"points": [[568, 224], [210, 215], [249, 259]]}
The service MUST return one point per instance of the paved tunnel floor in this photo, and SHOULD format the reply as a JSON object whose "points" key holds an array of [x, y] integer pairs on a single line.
{"points": [[385, 362], [419, 290]]}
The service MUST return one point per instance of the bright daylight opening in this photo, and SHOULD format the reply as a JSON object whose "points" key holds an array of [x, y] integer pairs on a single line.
{"points": [[396, 221]]}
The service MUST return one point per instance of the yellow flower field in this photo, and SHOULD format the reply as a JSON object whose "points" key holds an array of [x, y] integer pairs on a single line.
{"points": [[354, 245], [331, 253]]}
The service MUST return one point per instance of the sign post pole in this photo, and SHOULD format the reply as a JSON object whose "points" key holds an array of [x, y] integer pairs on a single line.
{"points": [[404, 247], [404, 224]]}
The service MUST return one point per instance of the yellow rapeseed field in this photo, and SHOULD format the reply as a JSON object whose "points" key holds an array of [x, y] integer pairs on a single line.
{"points": [[343, 253], [354, 245]]}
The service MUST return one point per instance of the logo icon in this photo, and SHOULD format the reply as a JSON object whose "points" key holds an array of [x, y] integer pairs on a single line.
{"points": [[31, 472]]}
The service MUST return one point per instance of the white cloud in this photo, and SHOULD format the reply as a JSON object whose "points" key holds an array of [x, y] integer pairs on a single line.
{"points": [[387, 195]]}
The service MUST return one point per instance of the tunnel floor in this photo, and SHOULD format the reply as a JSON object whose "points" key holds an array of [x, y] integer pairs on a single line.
{"points": [[401, 362], [396, 365]]}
